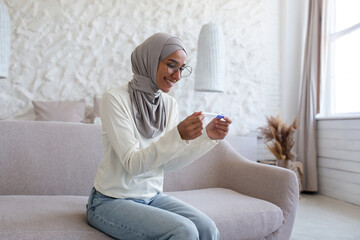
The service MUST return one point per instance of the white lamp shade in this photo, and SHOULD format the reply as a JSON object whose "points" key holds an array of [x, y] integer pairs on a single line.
{"points": [[4, 41], [210, 67]]}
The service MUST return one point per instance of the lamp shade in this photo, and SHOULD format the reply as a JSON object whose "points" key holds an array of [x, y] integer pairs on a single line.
{"points": [[4, 41], [210, 66]]}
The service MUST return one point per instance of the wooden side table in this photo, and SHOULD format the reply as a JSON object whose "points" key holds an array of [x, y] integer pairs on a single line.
{"points": [[268, 162]]}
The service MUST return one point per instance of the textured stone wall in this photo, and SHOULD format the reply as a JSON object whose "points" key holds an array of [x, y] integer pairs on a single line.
{"points": [[69, 50]]}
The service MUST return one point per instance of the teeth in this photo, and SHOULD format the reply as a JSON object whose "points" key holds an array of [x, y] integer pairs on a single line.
{"points": [[171, 83]]}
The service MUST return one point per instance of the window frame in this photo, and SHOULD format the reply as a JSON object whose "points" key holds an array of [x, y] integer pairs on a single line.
{"points": [[327, 89]]}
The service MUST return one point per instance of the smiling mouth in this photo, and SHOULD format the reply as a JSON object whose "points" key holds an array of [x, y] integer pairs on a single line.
{"points": [[169, 82]]}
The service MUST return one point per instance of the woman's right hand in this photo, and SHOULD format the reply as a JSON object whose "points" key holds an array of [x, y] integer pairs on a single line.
{"points": [[191, 127]]}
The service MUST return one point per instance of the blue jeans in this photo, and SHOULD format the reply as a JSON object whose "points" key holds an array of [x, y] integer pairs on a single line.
{"points": [[162, 217]]}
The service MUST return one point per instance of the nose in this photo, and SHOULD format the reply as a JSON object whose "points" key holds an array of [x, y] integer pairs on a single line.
{"points": [[177, 75]]}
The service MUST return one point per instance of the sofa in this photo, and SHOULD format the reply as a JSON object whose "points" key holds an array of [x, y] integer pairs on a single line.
{"points": [[47, 170]]}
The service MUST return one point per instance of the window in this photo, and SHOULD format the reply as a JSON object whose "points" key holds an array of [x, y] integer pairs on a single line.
{"points": [[341, 81]]}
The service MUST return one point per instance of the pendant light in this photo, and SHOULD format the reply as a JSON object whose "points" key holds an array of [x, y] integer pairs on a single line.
{"points": [[210, 66]]}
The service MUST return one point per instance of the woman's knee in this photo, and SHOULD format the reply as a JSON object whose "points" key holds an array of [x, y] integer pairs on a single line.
{"points": [[207, 228], [186, 230]]}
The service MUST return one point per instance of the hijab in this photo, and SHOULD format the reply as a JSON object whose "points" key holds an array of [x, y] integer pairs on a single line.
{"points": [[146, 99]]}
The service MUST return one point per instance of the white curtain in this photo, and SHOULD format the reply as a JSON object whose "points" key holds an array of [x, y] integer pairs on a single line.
{"points": [[306, 142], [4, 41]]}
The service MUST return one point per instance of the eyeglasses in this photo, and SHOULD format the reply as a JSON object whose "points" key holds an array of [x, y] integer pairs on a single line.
{"points": [[173, 68]]}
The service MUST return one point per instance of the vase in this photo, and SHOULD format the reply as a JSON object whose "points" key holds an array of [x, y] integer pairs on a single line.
{"points": [[281, 163], [295, 166]]}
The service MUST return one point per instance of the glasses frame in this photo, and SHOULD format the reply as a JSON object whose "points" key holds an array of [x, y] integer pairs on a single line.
{"points": [[171, 70]]}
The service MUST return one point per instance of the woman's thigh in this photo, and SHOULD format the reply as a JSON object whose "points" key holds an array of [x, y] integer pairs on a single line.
{"points": [[204, 224], [126, 219]]}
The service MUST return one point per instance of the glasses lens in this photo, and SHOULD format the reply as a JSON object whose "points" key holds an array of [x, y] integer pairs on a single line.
{"points": [[186, 71], [171, 70]]}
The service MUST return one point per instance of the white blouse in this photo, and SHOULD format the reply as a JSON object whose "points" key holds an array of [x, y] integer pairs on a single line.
{"points": [[133, 166]]}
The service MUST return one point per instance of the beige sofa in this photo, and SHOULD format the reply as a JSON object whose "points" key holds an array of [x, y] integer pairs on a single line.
{"points": [[47, 170]]}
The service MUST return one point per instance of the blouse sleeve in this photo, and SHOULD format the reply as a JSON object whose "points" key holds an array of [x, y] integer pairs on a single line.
{"points": [[169, 151], [121, 133]]}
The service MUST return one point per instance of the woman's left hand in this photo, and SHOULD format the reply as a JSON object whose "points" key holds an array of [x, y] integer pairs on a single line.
{"points": [[217, 129]]}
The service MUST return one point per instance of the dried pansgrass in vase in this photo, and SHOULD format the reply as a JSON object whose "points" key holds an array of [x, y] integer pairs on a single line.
{"points": [[279, 139]]}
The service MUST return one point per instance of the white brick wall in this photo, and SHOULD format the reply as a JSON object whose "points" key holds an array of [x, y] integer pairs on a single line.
{"points": [[67, 50]]}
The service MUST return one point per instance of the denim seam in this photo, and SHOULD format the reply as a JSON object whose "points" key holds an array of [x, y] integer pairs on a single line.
{"points": [[121, 225]]}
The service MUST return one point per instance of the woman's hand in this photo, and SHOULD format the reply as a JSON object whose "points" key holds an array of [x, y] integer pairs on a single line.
{"points": [[191, 127], [217, 129]]}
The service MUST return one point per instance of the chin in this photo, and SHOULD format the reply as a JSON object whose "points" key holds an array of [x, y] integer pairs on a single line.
{"points": [[164, 86], [165, 90]]}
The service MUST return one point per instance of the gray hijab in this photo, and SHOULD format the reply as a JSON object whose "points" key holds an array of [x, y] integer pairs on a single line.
{"points": [[147, 103]]}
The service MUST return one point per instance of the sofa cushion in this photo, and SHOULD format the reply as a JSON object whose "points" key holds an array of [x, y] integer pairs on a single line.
{"points": [[45, 217], [63, 217], [48, 158], [63, 111], [95, 113], [237, 216]]}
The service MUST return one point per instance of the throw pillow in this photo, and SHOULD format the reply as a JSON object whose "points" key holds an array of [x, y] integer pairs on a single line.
{"points": [[97, 105], [95, 114], [63, 111]]}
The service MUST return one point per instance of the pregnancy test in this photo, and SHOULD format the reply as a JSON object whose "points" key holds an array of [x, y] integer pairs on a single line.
{"points": [[213, 115]]}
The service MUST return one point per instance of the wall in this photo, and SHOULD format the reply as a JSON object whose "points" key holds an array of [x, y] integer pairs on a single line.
{"points": [[292, 29], [339, 159], [293, 34], [68, 50]]}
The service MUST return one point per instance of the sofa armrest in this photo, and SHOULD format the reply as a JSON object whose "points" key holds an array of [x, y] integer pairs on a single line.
{"points": [[270, 183]]}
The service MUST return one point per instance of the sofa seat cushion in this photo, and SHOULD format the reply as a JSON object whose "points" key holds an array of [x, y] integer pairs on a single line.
{"points": [[63, 217], [45, 217], [237, 216]]}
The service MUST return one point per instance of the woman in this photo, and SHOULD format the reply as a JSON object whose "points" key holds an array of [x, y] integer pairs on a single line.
{"points": [[142, 140]]}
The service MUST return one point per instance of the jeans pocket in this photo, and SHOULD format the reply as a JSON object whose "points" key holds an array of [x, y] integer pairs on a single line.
{"points": [[90, 202], [98, 199]]}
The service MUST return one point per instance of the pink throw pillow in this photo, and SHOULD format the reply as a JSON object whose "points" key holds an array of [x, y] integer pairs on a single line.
{"points": [[95, 110], [63, 111], [97, 105]]}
